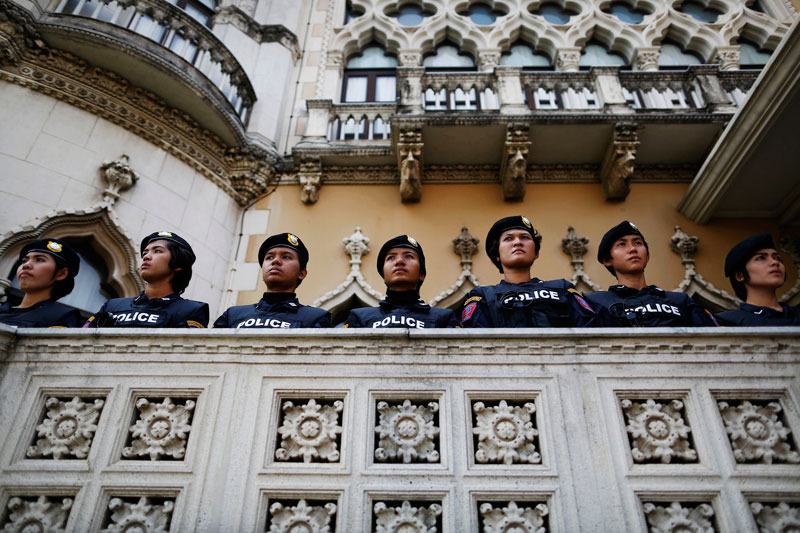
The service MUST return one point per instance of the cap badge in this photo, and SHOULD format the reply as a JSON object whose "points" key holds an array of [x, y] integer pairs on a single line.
{"points": [[634, 226], [54, 246], [526, 222], [293, 240], [164, 234], [412, 240]]}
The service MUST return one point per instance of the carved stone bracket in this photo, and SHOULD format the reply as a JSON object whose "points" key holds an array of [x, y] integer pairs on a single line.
{"points": [[39, 515], [791, 245], [617, 167], [680, 516], [162, 429], [781, 516], [310, 177], [514, 165], [407, 432], [513, 517], [68, 429], [756, 433], [407, 518], [575, 246], [120, 177], [309, 431], [646, 58], [301, 517], [506, 433], [658, 431], [409, 163], [727, 57], [140, 516], [356, 246], [567, 59], [693, 283], [466, 246]]}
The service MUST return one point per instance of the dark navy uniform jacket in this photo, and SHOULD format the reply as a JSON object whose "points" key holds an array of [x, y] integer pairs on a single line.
{"points": [[533, 304], [402, 309], [753, 315], [622, 306], [141, 312], [45, 314], [274, 310]]}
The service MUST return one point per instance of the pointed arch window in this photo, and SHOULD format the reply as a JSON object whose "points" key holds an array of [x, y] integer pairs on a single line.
{"points": [[523, 55], [448, 58], [370, 77], [672, 56], [595, 54], [625, 13], [750, 56]]}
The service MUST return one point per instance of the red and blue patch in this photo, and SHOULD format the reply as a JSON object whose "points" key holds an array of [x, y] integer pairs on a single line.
{"points": [[468, 310], [584, 303]]}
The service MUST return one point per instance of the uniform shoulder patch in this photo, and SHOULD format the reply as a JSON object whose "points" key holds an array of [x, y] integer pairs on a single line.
{"points": [[466, 314], [581, 300], [346, 326], [194, 324], [88, 322], [576, 292], [473, 299]]}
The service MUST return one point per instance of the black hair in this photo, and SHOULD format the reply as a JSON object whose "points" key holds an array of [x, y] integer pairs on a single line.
{"points": [[537, 244], [183, 259], [63, 287], [739, 287]]}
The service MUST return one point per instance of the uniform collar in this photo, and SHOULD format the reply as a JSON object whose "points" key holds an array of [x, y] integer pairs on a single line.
{"points": [[396, 299], [764, 311], [624, 290], [506, 285], [286, 300], [142, 299]]}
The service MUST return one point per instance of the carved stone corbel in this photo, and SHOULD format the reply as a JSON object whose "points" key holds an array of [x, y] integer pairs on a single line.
{"points": [[310, 177], [409, 164], [514, 165], [618, 163], [120, 177], [575, 246], [791, 245]]}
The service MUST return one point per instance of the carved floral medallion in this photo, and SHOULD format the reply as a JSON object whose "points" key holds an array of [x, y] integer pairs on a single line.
{"points": [[679, 517], [407, 518], [38, 516], [301, 518], [514, 518], [505, 434], [407, 432], [68, 429], [658, 431], [310, 431], [756, 433], [162, 429], [783, 517], [139, 517]]}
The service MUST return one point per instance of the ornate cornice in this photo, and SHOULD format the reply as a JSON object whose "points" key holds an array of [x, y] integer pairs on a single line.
{"points": [[260, 33]]}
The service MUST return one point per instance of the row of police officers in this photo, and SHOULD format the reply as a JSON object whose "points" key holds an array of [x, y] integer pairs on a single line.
{"points": [[754, 266]]}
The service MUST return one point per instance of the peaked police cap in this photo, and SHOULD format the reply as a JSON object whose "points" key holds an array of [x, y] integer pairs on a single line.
{"points": [[167, 236], [63, 253], [742, 252], [286, 240]]}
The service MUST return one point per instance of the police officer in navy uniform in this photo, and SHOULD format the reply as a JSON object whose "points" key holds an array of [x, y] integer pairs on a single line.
{"points": [[756, 271], [46, 273], [401, 263], [519, 300], [632, 302], [166, 268], [283, 259]]}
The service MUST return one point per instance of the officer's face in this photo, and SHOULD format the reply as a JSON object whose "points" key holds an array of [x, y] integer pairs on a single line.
{"points": [[517, 249], [628, 255], [401, 269], [155, 262], [766, 269], [281, 269], [39, 271]]}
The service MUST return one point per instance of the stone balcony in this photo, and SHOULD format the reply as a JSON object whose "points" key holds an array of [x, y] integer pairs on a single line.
{"points": [[359, 430]]}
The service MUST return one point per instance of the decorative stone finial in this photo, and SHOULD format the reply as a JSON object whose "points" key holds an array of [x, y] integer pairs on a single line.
{"points": [[120, 177], [684, 245], [356, 246], [466, 246]]}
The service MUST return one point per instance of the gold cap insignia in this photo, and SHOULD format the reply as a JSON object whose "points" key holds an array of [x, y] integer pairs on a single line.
{"points": [[412, 240], [293, 240], [164, 234], [634, 226], [54, 246], [526, 222]]}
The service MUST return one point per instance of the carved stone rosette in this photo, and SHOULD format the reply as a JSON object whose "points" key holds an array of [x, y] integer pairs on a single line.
{"points": [[140, 516], [514, 165], [679, 516], [776, 518], [40, 515], [756, 434], [513, 517], [301, 517], [407, 432], [409, 163], [68, 429], [407, 518], [617, 167], [310, 431], [505, 434], [162, 429], [657, 431]]}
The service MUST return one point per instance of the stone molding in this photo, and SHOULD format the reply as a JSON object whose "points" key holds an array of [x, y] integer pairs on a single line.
{"points": [[260, 33], [693, 282]]}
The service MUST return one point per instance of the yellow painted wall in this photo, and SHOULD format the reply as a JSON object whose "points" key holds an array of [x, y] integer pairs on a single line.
{"points": [[444, 209]]}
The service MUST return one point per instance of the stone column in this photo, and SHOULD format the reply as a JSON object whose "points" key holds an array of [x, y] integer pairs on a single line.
{"points": [[488, 59], [409, 88], [609, 90], [727, 57], [319, 117], [646, 58], [567, 59], [509, 89]]}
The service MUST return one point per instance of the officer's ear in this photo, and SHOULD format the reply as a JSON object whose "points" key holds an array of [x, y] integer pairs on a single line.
{"points": [[607, 262], [60, 274], [739, 277], [421, 277], [536, 255], [302, 275]]}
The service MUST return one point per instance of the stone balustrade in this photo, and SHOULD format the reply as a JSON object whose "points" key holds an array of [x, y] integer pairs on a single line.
{"points": [[176, 30], [362, 122], [362, 430]]}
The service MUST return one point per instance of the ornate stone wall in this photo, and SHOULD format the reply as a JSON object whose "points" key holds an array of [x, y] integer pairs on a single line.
{"points": [[542, 430]]}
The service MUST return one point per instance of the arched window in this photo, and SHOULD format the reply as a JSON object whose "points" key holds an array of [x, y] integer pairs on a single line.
{"points": [[672, 56], [370, 77], [750, 56], [447, 56], [700, 12], [523, 55], [409, 15], [595, 54], [625, 13], [554, 13], [351, 12], [482, 14]]}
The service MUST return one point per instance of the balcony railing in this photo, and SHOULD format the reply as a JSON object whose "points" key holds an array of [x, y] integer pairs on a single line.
{"points": [[349, 430], [174, 29], [360, 122]]}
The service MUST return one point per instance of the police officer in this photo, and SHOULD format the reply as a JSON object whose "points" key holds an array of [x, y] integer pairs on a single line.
{"points": [[166, 268], [632, 302], [283, 259], [756, 271], [401, 263], [519, 300], [46, 273]]}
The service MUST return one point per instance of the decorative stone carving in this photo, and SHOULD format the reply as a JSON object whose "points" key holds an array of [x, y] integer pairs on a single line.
{"points": [[658, 431], [727, 57], [776, 518], [241, 17], [410, 58], [466, 246], [679, 517], [756, 434], [617, 167], [68, 429], [34, 516], [514, 165], [162, 429], [505, 434], [790, 244], [567, 59], [301, 518], [514, 518], [120, 177], [310, 431], [409, 164], [407, 432], [335, 60], [488, 60], [407, 519], [693, 283], [139, 516], [646, 59], [575, 246], [356, 246], [310, 178]]}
